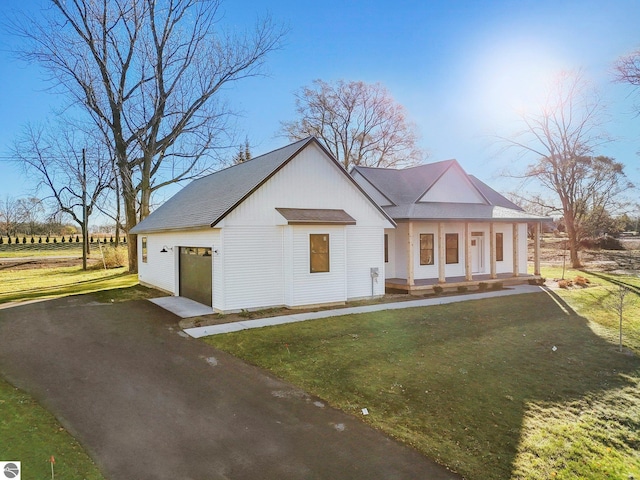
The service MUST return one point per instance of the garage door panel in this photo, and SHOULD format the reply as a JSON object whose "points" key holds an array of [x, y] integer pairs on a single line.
{"points": [[196, 274]]}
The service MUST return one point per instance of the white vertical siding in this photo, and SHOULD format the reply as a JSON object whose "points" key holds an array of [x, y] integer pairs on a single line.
{"points": [[453, 187], [522, 249], [390, 266], [253, 263], [365, 249], [310, 180], [400, 253], [161, 269], [316, 288], [506, 265]]}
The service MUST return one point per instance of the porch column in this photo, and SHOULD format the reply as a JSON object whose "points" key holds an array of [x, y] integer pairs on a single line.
{"points": [[536, 249], [516, 251], [492, 250], [410, 274], [441, 253], [467, 253]]}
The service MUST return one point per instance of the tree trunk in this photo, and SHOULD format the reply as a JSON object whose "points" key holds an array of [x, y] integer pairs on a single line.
{"points": [[573, 241], [129, 199]]}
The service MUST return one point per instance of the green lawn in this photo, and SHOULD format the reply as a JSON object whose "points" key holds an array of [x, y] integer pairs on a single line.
{"points": [[31, 435], [476, 385], [20, 285]]}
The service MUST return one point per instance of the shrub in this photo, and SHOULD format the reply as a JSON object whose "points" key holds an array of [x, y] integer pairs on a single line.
{"points": [[1, 240], [437, 289], [565, 283], [63, 240], [71, 238], [606, 243], [77, 239], [24, 240], [55, 240], [462, 288], [497, 286], [39, 239], [47, 240], [8, 240], [114, 257], [17, 240], [33, 240], [581, 281], [111, 239], [91, 241]]}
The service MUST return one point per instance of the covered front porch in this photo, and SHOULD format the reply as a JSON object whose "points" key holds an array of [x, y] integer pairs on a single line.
{"points": [[425, 285], [433, 255]]}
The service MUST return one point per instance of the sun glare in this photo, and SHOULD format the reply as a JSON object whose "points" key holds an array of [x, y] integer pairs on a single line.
{"points": [[513, 76]]}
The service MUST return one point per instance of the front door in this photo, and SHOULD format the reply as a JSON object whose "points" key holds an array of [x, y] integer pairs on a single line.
{"points": [[477, 252]]}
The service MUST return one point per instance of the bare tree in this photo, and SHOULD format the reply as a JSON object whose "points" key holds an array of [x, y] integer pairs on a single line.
{"points": [[31, 210], [617, 301], [55, 156], [359, 123], [9, 216], [563, 137], [628, 70], [149, 73]]}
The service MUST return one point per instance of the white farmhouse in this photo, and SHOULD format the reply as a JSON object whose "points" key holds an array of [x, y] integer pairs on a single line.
{"points": [[290, 228], [451, 228]]}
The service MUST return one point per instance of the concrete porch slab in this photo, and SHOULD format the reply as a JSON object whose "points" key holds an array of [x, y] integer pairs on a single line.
{"points": [[182, 307]]}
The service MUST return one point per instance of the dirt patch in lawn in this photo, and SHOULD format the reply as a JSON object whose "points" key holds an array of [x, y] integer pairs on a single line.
{"points": [[9, 264]]}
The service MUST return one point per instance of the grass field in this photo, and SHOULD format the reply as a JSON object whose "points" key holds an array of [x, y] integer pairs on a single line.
{"points": [[21, 285], [31, 435], [477, 386]]}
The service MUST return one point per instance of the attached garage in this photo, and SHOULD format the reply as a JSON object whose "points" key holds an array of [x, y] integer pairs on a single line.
{"points": [[290, 228], [195, 274]]}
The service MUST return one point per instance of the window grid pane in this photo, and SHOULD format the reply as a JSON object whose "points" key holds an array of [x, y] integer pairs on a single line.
{"points": [[144, 249], [452, 247], [499, 248], [319, 252], [426, 249]]}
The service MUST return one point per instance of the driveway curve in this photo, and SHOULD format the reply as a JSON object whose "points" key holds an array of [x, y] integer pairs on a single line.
{"points": [[148, 403]]}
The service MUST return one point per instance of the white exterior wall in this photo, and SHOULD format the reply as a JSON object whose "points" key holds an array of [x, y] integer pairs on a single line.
{"points": [[253, 267], [390, 266], [397, 268], [522, 237], [506, 266], [400, 254], [266, 261], [452, 187], [365, 250], [306, 182], [322, 287], [161, 269]]}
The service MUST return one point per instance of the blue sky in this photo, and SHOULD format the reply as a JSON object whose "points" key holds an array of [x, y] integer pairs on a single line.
{"points": [[460, 68]]}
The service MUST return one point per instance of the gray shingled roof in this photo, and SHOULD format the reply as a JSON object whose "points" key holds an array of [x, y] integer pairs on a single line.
{"points": [[405, 187], [204, 202]]}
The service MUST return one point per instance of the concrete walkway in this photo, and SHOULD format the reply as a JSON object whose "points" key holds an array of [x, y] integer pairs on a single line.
{"points": [[301, 317]]}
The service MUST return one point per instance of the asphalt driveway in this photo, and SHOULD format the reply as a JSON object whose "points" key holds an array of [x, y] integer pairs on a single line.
{"points": [[148, 403]]}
